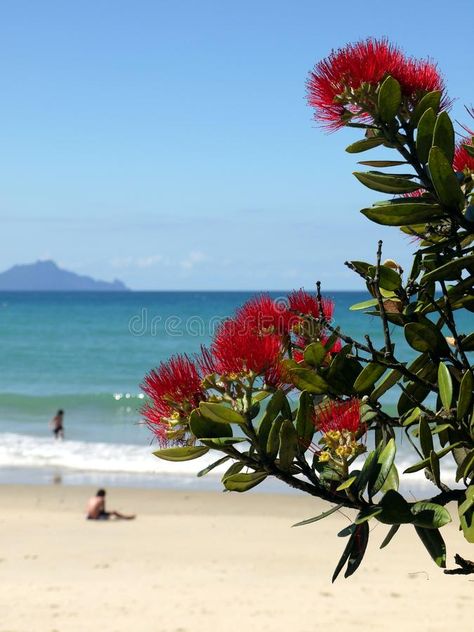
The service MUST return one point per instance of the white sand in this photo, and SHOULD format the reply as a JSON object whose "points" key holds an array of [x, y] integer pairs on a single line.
{"points": [[195, 562]]}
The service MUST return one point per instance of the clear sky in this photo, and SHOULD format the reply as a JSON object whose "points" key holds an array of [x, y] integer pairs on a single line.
{"points": [[168, 142]]}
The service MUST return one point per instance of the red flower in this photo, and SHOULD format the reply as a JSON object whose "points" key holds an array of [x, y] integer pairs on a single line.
{"points": [[338, 416], [462, 160], [262, 314], [418, 76], [302, 302], [298, 355], [174, 387], [234, 350], [333, 84]]}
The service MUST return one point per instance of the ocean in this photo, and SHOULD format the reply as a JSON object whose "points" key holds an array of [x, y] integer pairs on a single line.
{"points": [[87, 353]]}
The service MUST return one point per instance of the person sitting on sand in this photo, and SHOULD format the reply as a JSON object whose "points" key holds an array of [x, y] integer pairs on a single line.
{"points": [[57, 424], [96, 509]]}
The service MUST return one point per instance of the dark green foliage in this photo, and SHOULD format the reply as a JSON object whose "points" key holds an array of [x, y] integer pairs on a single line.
{"points": [[435, 391]]}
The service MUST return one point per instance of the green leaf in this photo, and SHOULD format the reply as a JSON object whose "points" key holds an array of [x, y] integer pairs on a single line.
{"points": [[465, 395], [346, 484], [325, 514], [444, 180], [413, 417], [430, 100], [273, 441], [386, 183], [235, 468], [403, 214], [466, 466], [259, 396], [425, 437], [360, 539], [244, 482], [419, 363], [445, 385], [448, 271], [387, 383], [366, 514], [210, 467], [361, 267], [347, 551], [467, 343], [207, 428], [304, 419], [430, 515], [383, 467], [364, 305], [392, 531], [467, 524], [389, 99], [424, 337], [426, 462], [382, 163], [315, 353], [368, 376], [365, 474], [307, 380], [392, 481], [396, 510], [181, 454], [468, 502], [424, 135], [388, 279], [333, 338], [221, 413], [276, 403], [435, 468], [365, 144], [434, 544], [347, 531], [288, 445], [414, 393], [443, 135], [221, 442], [343, 371]]}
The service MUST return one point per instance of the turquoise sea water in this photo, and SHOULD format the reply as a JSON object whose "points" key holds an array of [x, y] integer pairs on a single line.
{"points": [[87, 353]]}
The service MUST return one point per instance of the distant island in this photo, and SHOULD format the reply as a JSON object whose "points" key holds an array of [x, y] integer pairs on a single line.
{"points": [[47, 276]]}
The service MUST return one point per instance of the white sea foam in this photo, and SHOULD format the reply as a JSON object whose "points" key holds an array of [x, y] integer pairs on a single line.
{"points": [[19, 450], [26, 451]]}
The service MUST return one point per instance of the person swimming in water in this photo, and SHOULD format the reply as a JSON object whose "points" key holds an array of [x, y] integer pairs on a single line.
{"points": [[57, 424], [96, 509]]}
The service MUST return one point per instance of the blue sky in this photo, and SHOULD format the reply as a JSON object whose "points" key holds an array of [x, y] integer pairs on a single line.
{"points": [[169, 143]]}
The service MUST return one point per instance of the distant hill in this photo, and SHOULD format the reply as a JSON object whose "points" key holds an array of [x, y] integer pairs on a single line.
{"points": [[44, 276]]}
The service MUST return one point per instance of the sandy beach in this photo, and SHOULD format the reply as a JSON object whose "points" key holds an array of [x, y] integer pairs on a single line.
{"points": [[208, 561]]}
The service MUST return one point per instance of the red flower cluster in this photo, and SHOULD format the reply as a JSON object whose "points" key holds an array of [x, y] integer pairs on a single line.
{"points": [[262, 314], [236, 349], [256, 338], [338, 416], [254, 341], [462, 160], [175, 386], [302, 302], [334, 80]]}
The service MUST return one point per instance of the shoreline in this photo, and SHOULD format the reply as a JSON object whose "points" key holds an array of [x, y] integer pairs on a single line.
{"points": [[194, 561]]}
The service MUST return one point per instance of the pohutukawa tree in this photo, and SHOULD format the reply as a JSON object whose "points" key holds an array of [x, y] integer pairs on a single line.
{"points": [[283, 392]]}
